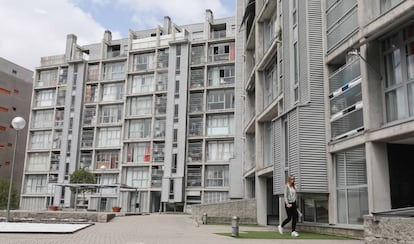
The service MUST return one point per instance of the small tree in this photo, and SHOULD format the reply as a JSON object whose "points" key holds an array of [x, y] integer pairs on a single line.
{"points": [[81, 176], [4, 194]]}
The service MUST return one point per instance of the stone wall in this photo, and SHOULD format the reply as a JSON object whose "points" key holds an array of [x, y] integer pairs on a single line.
{"points": [[223, 212], [57, 216], [388, 229]]}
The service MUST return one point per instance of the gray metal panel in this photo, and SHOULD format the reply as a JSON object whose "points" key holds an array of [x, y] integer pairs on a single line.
{"points": [[278, 177], [312, 136], [303, 45], [294, 146], [286, 55]]}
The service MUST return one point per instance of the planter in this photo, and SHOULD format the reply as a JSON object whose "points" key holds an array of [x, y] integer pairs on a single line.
{"points": [[53, 208], [116, 209]]}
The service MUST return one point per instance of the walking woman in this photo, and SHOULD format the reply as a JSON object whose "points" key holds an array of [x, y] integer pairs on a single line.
{"points": [[290, 205]]}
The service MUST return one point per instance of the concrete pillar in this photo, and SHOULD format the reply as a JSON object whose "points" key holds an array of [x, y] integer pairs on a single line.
{"points": [[379, 193], [261, 200]]}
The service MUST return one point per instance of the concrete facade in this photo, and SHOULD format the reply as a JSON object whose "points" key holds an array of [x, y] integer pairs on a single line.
{"points": [[155, 112], [15, 93], [388, 229]]}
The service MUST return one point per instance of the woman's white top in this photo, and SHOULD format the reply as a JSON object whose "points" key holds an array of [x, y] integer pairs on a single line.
{"points": [[290, 194]]}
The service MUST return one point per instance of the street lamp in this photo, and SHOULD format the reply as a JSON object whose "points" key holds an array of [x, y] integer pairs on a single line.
{"points": [[18, 123]]}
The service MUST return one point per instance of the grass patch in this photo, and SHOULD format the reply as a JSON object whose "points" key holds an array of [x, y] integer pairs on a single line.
{"points": [[274, 235], [229, 224]]}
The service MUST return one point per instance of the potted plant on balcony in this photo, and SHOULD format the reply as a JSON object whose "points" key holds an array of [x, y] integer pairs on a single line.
{"points": [[53, 207], [116, 209]]}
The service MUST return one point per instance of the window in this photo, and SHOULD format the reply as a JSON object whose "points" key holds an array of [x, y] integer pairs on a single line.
{"points": [[195, 151], [38, 162], [110, 114], [44, 98], [219, 150], [196, 104], [193, 176], [142, 83], [42, 119], [137, 177], [112, 92], [399, 79], [220, 124], [91, 93], [271, 89], [89, 116], [138, 106], [197, 78], [267, 144], [138, 152], [108, 137], [215, 196], [351, 186], [162, 59], [108, 159], [195, 126], [197, 54], [114, 71], [93, 72], [217, 176], [159, 128], [162, 81], [160, 104], [158, 152], [386, 5], [47, 78], [220, 100], [40, 140], [106, 179], [87, 138], [35, 184], [221, 52], [144, 61], [140, 128], [61, 95], [63, 75], [57, 140], [221, 76]]}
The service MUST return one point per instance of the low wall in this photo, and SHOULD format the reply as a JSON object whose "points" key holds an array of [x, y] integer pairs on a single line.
{"points": [[224, 211], [388, 229], [357, 233], [57, 216]]}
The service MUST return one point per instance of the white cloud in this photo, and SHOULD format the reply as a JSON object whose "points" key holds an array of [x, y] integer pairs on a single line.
{"points": [[33, 29], [182, 12]]}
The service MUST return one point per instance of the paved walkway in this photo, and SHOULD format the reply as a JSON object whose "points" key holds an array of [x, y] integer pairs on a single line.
{"points": [[151, 229]]}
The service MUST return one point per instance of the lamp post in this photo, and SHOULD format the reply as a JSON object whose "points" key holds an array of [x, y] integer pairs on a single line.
{"points": [[103, 167], [18, 123]]}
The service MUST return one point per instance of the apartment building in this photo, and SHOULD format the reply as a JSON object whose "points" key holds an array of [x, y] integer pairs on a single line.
{"points": [[153, 116], [328, 97], [284, 124], [15, 94], [369, 96]]}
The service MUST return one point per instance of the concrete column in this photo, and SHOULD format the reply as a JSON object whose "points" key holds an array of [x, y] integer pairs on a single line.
{"points": [[261, 200], [379, 194]]}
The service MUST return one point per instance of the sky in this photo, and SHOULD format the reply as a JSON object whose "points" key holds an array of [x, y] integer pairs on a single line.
{"points": [[30, 29]]}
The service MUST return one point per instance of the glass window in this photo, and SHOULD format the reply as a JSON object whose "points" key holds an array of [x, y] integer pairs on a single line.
{"points": [[38, 162], [159, 128], [219, 150], [215, 196], [41, 140], [158, 152], [220, 124], [138, 152], [195, 151], [35, 184], [221, 76], [144, 61], [112, 92], [138, 106], [108, 159], [142, 83], [45, 98], [110, 114], [217, 176], [140, 128], [193, 176], [109, 137], [219, 100], [42, 119], [351, 186], [137, 177], [114, 71]]}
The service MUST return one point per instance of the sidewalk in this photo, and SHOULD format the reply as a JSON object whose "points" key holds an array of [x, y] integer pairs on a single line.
{"points": [[151, 229]]}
